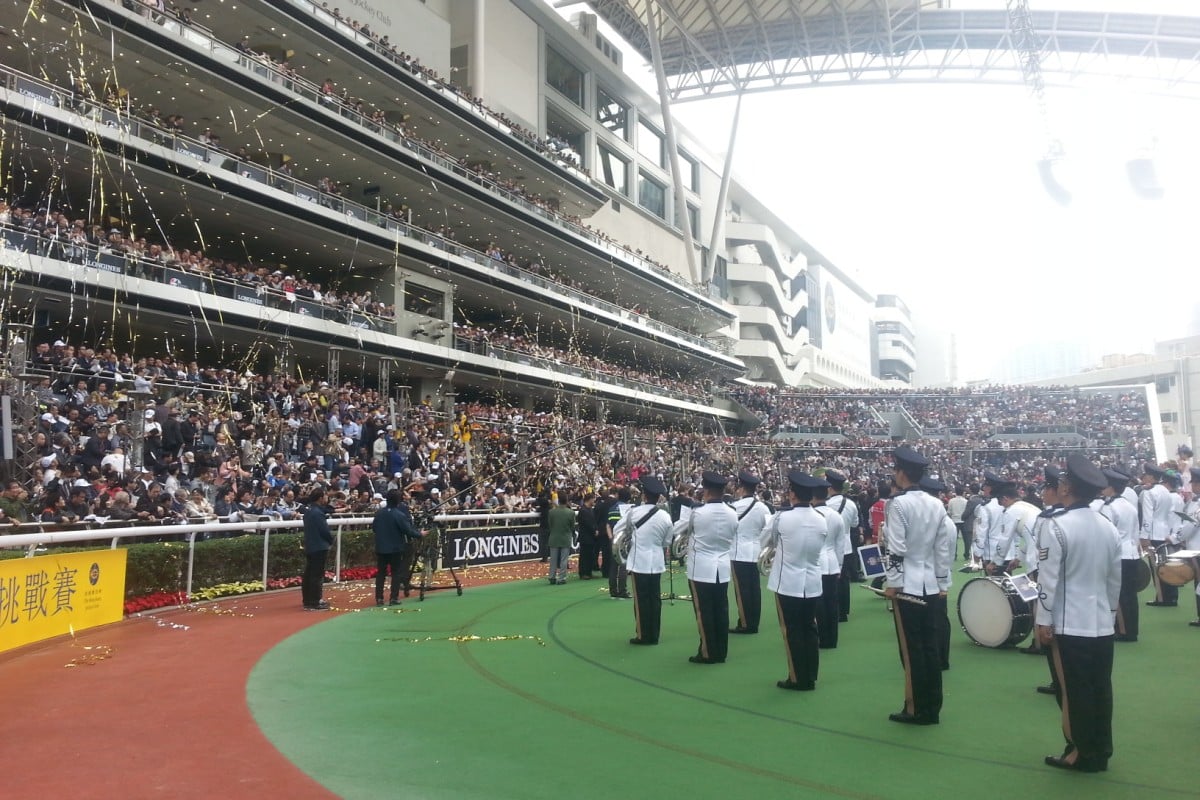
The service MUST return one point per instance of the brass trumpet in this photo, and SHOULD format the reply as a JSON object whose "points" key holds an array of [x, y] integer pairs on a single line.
{"points": [[679, 545], [766, 559]]}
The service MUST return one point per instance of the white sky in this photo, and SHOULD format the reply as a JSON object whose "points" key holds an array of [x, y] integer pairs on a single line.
{"points": [[931, 192]]}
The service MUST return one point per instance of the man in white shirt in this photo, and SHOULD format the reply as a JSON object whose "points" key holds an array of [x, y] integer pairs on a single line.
{"points": [[752, 516], [649, 530], [710, 528], [842, 504], [828, 611], [1157, 522]]}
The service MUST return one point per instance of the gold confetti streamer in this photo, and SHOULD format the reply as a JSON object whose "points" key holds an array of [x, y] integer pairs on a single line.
{"points": [[465, 638]]}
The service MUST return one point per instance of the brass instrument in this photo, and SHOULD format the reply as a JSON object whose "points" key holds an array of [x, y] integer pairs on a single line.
{"points": [[622, 541], [766, 557]]}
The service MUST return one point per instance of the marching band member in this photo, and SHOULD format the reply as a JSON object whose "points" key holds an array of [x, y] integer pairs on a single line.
{"points": [[936, 489], [828, 612], [649, 530], [1016, 526], [797, 537], [1079, 575], [752, 516], [1051, 506], [1155, 512], [987, 521], [918, 567], [710, 529], [1117, 510], [1188, 534], [842, 504]]}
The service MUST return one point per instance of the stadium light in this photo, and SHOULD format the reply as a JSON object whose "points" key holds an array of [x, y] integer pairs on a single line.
{"points": [[1058, 193]]}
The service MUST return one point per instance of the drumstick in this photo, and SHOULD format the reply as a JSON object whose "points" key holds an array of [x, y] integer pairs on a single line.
{"points": [[908, 598]]}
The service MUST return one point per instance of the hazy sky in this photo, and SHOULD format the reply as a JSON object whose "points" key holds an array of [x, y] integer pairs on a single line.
{"points": [[932, 192]]}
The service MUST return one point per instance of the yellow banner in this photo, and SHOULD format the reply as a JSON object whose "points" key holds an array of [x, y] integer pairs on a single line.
{"points": [[52, 595]]}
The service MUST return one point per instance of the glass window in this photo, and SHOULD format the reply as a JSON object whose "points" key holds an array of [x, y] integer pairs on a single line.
{"points": [[694, 221], [612, 113], [652, 195], [690, 169], [614, 170], [564, 76], [650, 144], [566, 135], [423, 300]]}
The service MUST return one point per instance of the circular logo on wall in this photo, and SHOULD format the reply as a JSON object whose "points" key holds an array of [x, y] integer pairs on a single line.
{"points": [[830, 308], [94, 574]]}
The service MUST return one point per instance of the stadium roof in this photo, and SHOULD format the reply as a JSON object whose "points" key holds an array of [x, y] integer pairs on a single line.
{"points": [[718, 47]]}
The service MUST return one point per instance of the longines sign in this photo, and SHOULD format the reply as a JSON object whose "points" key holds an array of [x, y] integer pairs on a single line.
{"points": [[490, 545]]}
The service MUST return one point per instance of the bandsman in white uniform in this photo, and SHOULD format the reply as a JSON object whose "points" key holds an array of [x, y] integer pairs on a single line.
{"points": [[987, 521], [918, 567], [828, 612], [649, 529], [1157, 522], [936, 489], [752, 516], [1014, 544], [1050, 506], [710, 529], [842, 504], [1079, 576], [1188, 535], [797, 537], [1116, 509]]}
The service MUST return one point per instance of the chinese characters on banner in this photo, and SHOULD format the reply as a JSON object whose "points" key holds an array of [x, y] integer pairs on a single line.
{"points": [[52, 595]]}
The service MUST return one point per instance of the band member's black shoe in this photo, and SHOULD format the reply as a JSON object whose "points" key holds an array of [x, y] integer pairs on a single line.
{"points": [[1048, 689], [795, 686], [1079, 764], [636, 640], [743, 630], [703, 660], [906, 718]]}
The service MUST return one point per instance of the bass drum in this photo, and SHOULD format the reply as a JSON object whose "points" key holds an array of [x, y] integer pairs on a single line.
{"points": [[992, 614], [1142, 575], [1176, 571]]}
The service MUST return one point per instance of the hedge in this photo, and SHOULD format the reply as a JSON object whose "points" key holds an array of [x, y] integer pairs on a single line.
{"points": [[162, 566]]}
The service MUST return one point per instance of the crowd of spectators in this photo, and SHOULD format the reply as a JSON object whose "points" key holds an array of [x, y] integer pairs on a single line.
{"points": [[236, 444], [54, 234], [380, 120]]}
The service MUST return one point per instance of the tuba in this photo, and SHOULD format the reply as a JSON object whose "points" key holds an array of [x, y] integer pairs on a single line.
{"points": [[679, 545], [621, 542], [766, 556]]}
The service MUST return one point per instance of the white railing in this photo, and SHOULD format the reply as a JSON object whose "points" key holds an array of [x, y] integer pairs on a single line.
{"points": [[30, 542]]}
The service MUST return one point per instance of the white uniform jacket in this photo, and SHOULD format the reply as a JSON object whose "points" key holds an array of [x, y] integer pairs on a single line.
{"points": [[713, 526], [1079, 573], [987, 528], [1156, 513], [836, 542], [799, 536], [1188, 534], [1016, 532], [849, 511], [752, 514], [920, 547], [1123, 516], [646, 541], [1177, 506]]}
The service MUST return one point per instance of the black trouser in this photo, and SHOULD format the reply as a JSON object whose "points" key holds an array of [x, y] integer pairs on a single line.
{"points": [[604, 552], [587, 557], [941, 621], [849, 565], [747, 592], [1084, 667], [617, 579], [916, 633], [711, 603], [827, 612], [647, 604], [1127, 608], [313, 580], [797, 619], [401, 566]]}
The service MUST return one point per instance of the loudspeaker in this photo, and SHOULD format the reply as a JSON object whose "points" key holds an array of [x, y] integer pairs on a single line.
{"points": [[1143, 179], [1058, 193]]}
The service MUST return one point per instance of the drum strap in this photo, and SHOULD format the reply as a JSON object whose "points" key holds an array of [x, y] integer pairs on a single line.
{"points": [[646, 518], [753, 501]]}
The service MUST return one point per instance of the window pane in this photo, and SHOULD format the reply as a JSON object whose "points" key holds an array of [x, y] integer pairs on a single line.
{"points": [[612, 113], [691, 172], [650, 143], [614, 171], [652, 195], [564, 76], [423, 300]]}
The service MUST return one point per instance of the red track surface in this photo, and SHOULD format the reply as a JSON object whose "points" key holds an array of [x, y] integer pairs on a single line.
{"points": [[165, 714]]}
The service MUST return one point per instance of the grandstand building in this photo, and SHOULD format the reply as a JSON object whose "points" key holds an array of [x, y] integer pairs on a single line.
{"points": [[429, 197]]}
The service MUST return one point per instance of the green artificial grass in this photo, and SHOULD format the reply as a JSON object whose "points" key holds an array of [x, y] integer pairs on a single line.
{"points": [[578, 712]]}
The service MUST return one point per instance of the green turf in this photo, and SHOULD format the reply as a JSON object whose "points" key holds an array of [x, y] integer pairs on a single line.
{"points": [[587, 715]]}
